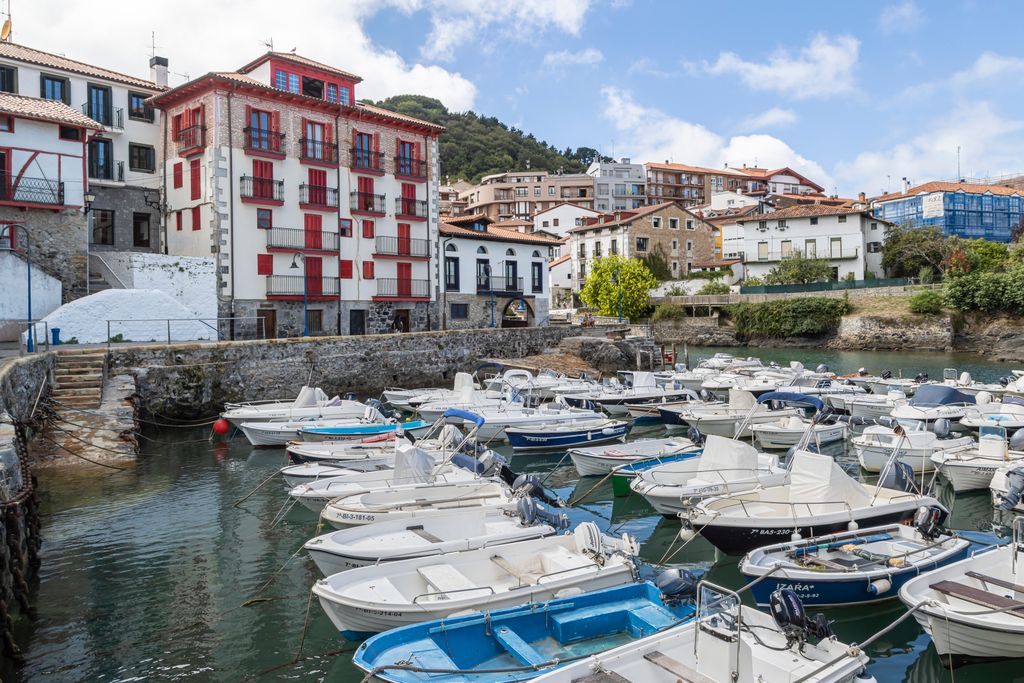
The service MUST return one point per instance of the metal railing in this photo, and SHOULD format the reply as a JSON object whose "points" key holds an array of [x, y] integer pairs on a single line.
{"points": [[367, 201], [410, 207], [191, 139], [263, 140], [832, 255], [251, 187], [300, 240], [407, 167], [318, 195], [147, 114], [170, 330], [402, 246], [498, 284], [111, 171], [34, 191], [111, 118], [403, 287], [299, 285], [318, 150], [366, 159]]}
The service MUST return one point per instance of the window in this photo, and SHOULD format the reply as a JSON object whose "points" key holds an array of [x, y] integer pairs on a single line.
{"points": [[762, 225], [345, 227], [451, 273], [367, 270], [264, 264], [141, 158], [814, 220], [512, 275], [99, 104], [195, 179], [460, 311], [7, 124], [782, 223], [536, 192], [536, 276], [842, 219], [811, 249], [332, 92], [137, 107], [345, 269], [281, 79], [101, 162], [54, 88], [368, 230], [178, 174], [614, 248], [874, 226], [70, 133], [641, 244], [293, 83], [264, 219], [197, 217], [343, 95], [762, 251], [544, 224], [551, 190], [522, 191], [689, 248], [312, 87], [102, 226], [554, 222], [315, 320], [656, 221], [787, 248], [689, 224], [177, 220], [140, 229], [874, 247], [8, 79], [673, 223]]}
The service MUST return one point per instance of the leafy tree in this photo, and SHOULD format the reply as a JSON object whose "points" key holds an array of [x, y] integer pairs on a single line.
{"points": [[613, 274], [657, 262], [1017, 231], [984, 256], [909, 249], [799, 270]]}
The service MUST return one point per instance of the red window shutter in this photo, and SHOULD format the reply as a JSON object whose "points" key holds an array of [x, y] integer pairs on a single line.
{"points": [[404, 239], [345, 269], [178, 174], [328, 137], [314, 275], [177, 220], [368, 229], [419, 151], [248, 116], [313, 225], [176, 126], [367, 270], [318, 177], [376, 142], [398, 147], [264, 264], [196, 217], [202, 121], [275, 121], [263, 169], [355, 137], [194, 178]]}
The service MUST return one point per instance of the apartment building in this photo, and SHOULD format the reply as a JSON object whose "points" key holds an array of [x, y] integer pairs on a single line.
{"points": [[667, 228], [522, 194], [493, 276], [778, 181], [449, 203], [690, 185], [967, 210], [618, 185], [561, 217], [309, 200]]}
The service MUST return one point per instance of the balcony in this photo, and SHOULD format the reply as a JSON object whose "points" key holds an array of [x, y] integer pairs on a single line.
{"points": [[401, 247], [112, 119], [402, 288], [290, 239], [407, 167], [410, 208], [263, 141], [833, 255], [367, 202], [295, 286], [366, 160], [114, 172], [33, 191], [191, 140], [499, 285], [261, 190], [318, 196], [318, 151]]}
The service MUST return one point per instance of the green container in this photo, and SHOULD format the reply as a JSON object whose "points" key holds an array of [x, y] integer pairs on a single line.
{"points": [[620, 485]]}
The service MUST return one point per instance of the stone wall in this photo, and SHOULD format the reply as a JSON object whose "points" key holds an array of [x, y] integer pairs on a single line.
{"points": [[873, 332], [20, 380], [125, 202], [191, 380], [700, 331], [58, 242]]}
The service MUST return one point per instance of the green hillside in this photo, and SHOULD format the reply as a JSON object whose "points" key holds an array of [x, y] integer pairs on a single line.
{"points": [[473, 146]]}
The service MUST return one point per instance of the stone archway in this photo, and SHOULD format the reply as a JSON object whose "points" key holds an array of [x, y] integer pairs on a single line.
{"points": [[517, 313]]}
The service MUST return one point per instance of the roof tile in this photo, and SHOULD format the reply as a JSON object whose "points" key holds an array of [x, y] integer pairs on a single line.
{"points": [[46, 110], [47, 59], [941, 186]]}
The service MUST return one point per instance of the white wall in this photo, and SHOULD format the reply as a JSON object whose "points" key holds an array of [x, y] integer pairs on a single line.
{"points": [[799, 232], [191, 280], [720, 201], [562, 217], [38, 152], [466, 250], [46, 294]]}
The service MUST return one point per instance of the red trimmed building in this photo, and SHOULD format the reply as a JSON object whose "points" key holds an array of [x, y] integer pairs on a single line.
{"points": [[300, 191]]}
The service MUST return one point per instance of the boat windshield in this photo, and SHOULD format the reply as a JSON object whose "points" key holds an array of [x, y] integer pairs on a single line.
{"points": [[912, 425], [717, 609]]}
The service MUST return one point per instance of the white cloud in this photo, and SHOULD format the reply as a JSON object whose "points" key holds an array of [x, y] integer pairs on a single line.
{"points": [[822, 69], [564, 58], [657, 136], [776, 117], [647, 67], [901, 18], [987, 69], [990, 144]]}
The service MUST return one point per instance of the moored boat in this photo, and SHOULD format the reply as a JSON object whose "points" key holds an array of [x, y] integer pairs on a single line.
{"points": [[311, 403], [600, 460], [561, 436]]}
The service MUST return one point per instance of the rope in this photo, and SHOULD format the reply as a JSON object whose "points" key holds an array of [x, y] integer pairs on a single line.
{"points": [[90, 460], [590, 490], [186, 425], [133, 432]]}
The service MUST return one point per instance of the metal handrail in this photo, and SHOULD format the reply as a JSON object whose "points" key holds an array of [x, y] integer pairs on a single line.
{"points": [[260, 322], [110, 270], [565, 571], [457, 590]]}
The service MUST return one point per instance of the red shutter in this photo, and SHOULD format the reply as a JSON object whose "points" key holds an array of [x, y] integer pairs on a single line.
{"points": [[202, 122], [314, 275], [404, 239], [178, 174], [367, 270], [352, 153], [194, 178], [328, 141], [368, 229], [264, 264], [404, 279], [313, 224], [196, 217], [176, 126], [177, 220], [376, 150], [318, 187], [345, 269], [275, 129]]}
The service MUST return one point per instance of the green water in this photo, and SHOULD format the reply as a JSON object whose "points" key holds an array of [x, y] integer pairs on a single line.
{"points": [[146, 573]]}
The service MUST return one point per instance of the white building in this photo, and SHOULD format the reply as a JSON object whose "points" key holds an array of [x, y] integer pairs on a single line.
{"points": [[493, 277], [560, 281], [777, 181], [850, 239], [618, 185], [727, 200], [559, 219]]}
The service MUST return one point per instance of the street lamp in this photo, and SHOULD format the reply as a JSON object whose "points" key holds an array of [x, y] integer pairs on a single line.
{"points": [[9, 231], [618, 283], [305, 297], [87, 199], [490, 287]]}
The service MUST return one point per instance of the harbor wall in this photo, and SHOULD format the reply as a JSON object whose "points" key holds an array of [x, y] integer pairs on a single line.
{"points": [[196, 379]]}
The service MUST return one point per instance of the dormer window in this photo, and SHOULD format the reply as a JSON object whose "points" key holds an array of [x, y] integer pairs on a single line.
{"points": [[479, 226], [312, 87]]}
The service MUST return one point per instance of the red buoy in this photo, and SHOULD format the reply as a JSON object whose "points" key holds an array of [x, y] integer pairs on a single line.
{"points": [[221, 426]]}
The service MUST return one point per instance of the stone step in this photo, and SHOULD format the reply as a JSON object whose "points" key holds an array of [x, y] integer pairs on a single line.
{"points": [[79, 381], [82, 369], [80, 402], [64, 392], [65, 351]]}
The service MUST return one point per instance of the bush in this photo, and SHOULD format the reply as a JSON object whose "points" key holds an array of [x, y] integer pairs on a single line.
{"points": [[668, 312], [714, 288], [676, 290], [926, 275], [804, 317], [928, 302], [989, 292], [707, 274]]}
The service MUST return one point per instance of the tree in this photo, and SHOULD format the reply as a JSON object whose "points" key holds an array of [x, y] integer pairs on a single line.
{"points": [[612, 275], [799, 270], [909, 249], [714, 288], [1017, 231], [657, 262]]}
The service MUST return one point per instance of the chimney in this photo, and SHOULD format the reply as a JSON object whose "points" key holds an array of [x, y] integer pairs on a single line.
{"points": [[158, 70], [862, 198], [906, 185]]}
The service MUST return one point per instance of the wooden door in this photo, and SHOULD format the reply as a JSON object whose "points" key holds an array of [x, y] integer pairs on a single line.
{"points": [[314, 276], [266, 325], [404, 279], [404, 239]]}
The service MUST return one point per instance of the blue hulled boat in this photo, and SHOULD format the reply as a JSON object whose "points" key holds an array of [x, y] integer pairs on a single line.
{"points": [[562, 436], [534, 638], [358, 431]]}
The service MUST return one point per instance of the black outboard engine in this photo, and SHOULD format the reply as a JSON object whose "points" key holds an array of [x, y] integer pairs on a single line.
{"points": [[886, 374], [530, 485], [386, 412], [349, 396], [1014, 489], [531, 512], [821, 368], [1005, 380], [921, 377], [928, 520], [695, 435], [788, 611], [676, 584]]}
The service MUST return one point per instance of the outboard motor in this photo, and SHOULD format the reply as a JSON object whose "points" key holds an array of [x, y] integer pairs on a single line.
{"points": [[1016, 442], [705, 395], [529, 485], [921, 377], [531, 512], [863, 372], [1014, 489], [941, 428], [677, 584], [695, 435], [821, 368], [886, 374], [788, 611], [492, 461], [928, 520], [1005, 381], [349, 396], [386, 412]]}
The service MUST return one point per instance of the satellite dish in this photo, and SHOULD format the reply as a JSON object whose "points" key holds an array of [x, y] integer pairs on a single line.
{"points": [[5, 32]]}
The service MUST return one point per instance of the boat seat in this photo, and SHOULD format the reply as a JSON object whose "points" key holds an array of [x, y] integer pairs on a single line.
{"points": [[1002, 583], [423, 533], [676, 668], [642, 616], [517, 647], [445, 578], [561, 561], [382, 590], [980, 597]]}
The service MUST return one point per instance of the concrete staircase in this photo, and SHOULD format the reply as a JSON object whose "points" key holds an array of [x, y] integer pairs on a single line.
{"points": [[97, 283], [78, 378]]}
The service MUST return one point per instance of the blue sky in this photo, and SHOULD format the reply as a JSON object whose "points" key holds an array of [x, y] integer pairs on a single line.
{"points": [[857, 95]]}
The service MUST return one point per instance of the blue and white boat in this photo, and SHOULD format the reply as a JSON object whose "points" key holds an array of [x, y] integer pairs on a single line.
{"points": [[854, 567], [562, 436], [359, 431], [533, 638]]}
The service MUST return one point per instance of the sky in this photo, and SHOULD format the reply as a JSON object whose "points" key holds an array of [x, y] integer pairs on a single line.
{"points": [[856, 96]]}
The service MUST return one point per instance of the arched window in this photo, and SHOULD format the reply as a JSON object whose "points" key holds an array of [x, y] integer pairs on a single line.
{"points": [[450, 247], [510, 252], [481, 250], [536, 254]]}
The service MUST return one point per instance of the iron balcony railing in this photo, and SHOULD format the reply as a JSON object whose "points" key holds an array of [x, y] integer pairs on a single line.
{"points": [[410, 168], [318, 195], [403, 287], [367, 160], [318, 150], [297, 285], [825, 255], [498, 284], [251, 187], [191, 139], [410, 207], [111, 171], [34, 191], [145, 114], [367, 201], [300, 240], [263, 140], [402, 246], [112, 117]]}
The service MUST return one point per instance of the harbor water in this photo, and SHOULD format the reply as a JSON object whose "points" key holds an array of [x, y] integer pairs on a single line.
{"points": [[158, 573]]}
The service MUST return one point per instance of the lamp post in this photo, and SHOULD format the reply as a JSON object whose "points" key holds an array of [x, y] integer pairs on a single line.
{"points": [[443, 260], [9, 231], [490, 287], [305, 296], [87, 199], [618, 283]]}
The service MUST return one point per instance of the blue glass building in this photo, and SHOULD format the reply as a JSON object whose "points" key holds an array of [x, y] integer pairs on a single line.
{"points": [[969, 211]]}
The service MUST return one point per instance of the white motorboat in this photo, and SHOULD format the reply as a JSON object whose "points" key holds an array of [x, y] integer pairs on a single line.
{"points": [[335, 451], [616, 401], [377, 598], [597, 461], [874, 446], [440, 534], [819, 498], [724, 466], [689, 379], [934, 402], [411, 399], [872, 406], [1008, 413], [311, 403], [1007, 487], [972, 609], [785, 432], [971, 468], [280, 433], [516, 415], [733, 420], [727, 643], [295, 475], [908, 387], [968, 385]]}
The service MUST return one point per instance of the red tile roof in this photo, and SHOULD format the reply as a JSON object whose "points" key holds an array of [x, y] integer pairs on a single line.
{"points": [[804, 211], [496, 234], [686, 168], [626, 217], [560, 260], [560, 204], [23, 53], [940, 186], [45, 110], [298, 59], [388, 114]]}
